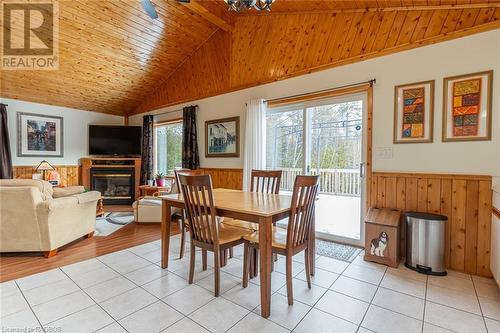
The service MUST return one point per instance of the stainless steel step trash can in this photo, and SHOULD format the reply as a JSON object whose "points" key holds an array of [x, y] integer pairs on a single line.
{"points": [[425, 242]]}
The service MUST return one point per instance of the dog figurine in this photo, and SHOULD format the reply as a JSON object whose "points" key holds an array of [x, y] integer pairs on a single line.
{"points": [[379, 244]]}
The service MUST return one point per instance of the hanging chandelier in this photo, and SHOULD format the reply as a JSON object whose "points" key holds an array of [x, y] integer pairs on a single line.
{"points": [[242, 5]]}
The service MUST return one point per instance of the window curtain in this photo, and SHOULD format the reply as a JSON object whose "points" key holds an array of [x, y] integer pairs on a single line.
{"points": [[255, 140], [5, 156], [190, 154], [147, 149]]}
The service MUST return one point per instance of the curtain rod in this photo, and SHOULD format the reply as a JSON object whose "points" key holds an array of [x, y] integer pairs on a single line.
{"points": [[171, 111], [371, 82]]}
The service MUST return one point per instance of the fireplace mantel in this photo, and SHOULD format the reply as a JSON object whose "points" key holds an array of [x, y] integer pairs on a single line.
{"points": [[89, 163]]}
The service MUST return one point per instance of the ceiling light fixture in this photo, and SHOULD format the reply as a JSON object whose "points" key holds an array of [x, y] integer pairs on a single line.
{"points": [[242, 5]]}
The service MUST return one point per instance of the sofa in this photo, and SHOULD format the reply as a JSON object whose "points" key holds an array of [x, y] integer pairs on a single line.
{"points": [[34, 217]]}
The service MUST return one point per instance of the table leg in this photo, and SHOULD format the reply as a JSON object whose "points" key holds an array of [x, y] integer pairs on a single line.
{"points": [[265, 249], [165, 232]]}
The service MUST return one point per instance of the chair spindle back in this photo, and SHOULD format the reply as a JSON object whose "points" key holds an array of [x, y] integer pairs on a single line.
{"points": [[200, 208], [304, 194], [266, 181], [188, 172]]}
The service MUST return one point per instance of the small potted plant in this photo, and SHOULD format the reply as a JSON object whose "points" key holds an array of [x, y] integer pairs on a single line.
{"points": [[160, 179]]}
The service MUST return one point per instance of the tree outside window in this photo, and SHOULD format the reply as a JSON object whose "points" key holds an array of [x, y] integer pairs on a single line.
{"points": [[168, 148]]}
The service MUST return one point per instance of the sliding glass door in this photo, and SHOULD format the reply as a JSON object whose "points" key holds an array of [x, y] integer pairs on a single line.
{"points": [[325, 138]]}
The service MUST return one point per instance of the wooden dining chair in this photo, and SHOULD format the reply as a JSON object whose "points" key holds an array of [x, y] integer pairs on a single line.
{"points": [[205, 230], [263, 181], [288, 242], [182, 218]]}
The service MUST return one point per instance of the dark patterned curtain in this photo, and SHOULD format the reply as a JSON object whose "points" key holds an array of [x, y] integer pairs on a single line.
{"points": [[147, 149], [5, 156], [190, 156]]}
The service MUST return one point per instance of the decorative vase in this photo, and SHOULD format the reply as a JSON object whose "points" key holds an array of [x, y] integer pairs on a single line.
{"points": [[160, 182]]}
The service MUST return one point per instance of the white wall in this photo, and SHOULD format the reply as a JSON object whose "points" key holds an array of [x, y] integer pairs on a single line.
{"points": [[76, 123], [460, 56]]}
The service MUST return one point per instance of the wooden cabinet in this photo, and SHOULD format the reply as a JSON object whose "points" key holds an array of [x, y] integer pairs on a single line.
{"points": [[382, 234]]}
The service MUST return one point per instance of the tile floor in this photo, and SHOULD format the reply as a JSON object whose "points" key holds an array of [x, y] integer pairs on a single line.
{"points": [[127, 291]]}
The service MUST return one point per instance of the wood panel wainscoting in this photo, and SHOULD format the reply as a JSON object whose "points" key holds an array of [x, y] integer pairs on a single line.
{"points": [[70, 174], [226, 178], [464, 199]]}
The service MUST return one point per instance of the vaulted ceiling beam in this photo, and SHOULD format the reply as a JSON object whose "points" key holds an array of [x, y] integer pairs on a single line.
{"points": [[223, 23], [372, 9]]}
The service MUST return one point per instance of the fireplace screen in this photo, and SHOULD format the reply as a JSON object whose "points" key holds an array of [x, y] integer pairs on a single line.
{"points": [[116, 187]]}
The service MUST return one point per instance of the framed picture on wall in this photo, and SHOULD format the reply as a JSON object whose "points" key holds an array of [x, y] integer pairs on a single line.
{"points": [[414, 112], [39, 135], [222, 137], [467, 107]]}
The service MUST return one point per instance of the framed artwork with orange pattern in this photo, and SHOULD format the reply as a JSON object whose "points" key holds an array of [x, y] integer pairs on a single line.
{"points": [[414, 112], [467, 107]]}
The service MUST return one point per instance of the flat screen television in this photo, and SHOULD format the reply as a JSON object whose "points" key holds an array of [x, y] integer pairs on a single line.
{"points": [[115, 140]]}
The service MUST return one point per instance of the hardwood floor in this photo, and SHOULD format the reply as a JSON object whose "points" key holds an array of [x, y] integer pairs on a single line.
{"points": [[17, 265]]}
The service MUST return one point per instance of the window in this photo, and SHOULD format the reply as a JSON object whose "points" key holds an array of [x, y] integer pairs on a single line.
{"points": [[316, 137], [168, 147]]}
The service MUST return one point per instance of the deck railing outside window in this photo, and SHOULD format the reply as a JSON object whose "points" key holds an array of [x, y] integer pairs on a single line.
{"points": [[331, 181]]}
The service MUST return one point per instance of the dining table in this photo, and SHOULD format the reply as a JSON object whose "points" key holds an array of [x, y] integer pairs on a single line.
{"points": [[262, 208]]}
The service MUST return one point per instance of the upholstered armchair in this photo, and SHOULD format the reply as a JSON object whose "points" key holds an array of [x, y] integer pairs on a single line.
{"points": [[35, 217]]}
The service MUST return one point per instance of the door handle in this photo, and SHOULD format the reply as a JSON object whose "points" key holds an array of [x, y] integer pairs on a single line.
{"points": [[362, 170]]}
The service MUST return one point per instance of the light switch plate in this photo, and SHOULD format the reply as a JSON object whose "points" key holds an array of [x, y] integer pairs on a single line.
{"points": [[385, 153]]}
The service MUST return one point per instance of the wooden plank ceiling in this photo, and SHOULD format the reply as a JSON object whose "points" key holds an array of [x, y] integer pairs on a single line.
{"points": [[115, 59], [296, 44], [111, 54]]}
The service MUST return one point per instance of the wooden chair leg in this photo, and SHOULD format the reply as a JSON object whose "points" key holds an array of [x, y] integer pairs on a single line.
{"points": [[231, 252], [255, 262], [246, 264], [223, 258], [217, 255], [183, 239], [250, 262], [51, 253], [307, 262], [191, 264], [204, 259], [289, 280]]}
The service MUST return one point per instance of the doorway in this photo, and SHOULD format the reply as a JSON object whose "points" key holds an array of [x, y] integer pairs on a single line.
{"points": [[328, 138]]}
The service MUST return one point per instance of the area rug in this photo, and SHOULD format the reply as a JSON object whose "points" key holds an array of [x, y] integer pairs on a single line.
{"points": [[111, 222], [337, 251]]}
